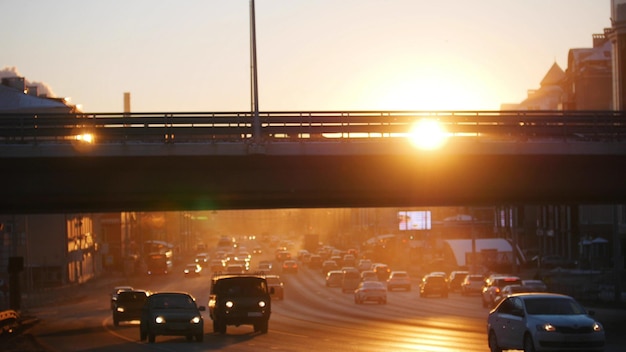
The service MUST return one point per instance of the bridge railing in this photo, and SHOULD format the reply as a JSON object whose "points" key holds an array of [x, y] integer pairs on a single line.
{"points": [[162, 127]]}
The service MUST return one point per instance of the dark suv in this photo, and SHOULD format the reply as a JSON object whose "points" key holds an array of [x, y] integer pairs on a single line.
{"points": [[434, 284], [238, 300]]}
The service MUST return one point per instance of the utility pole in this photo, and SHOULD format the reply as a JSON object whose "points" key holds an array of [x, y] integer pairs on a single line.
{"points": [[256, 122]]}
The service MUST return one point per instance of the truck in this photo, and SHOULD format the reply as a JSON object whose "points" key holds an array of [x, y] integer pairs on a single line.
{"points": [[311, 242]]}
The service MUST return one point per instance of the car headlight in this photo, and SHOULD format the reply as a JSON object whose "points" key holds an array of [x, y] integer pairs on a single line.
{"points": [[262, 304], [229, 304], [597, 327], [546, 327], [196, 320], [120, 309], [159, 320]]}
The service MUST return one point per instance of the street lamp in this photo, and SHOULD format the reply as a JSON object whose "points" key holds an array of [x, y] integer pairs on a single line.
{"points": [[256, 122]]}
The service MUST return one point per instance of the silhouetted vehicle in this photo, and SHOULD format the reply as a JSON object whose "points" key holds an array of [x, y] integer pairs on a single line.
{"points": [[382, 271], [202, 259], [192, 270], [329, 265], [369, 275], [434, 284], [171, 314], [399, 279], [334, 278], [509, 290], [473, 283], [128, 305], [239, 300], [350, 280], [494, 284], [276, 286], [455, 279], [116, 292], [535, 285], [290, 266], [370, 291]]}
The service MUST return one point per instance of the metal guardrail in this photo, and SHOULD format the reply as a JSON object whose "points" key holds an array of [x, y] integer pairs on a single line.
{"points": [[164, 127]]}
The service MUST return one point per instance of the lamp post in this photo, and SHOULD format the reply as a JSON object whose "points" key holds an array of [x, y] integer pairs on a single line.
{"points": [[256, 122]]}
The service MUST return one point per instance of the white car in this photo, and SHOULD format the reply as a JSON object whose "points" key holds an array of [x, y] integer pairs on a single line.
{"points": [[364, 264], [370, 291], [543, 322], [399, 279], [473, 283]]}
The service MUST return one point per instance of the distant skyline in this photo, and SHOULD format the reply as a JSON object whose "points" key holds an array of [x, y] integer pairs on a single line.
{"points": [[194, 55]]}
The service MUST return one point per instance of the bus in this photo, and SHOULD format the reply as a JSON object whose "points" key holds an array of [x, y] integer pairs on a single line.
{"points": [[159, 263]]}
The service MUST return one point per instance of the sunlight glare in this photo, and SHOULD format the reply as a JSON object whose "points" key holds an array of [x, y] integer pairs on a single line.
{"points": [[85, 137], [428, 134]]}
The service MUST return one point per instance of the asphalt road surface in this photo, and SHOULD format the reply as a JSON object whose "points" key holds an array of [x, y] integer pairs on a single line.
{"points": [[312, 317]]}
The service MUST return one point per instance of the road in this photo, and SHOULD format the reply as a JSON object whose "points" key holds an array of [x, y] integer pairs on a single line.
{"points": [[311, 318]]}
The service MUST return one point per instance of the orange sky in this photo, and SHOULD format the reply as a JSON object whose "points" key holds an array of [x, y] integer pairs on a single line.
{"points": [[312, 55]]}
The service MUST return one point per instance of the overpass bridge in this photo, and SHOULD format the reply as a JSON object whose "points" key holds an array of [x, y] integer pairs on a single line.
{"points": [[100, 162]]}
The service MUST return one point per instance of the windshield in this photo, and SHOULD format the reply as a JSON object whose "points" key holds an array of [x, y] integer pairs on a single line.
{"points": [[240, 287], [552, 306], [173, 302]]}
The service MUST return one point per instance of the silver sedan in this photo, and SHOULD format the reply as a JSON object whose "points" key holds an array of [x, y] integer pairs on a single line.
{"points": [[370, 291]]}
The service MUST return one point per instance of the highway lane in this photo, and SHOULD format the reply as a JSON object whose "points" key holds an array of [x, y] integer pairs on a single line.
{"points": [[312, 317]]}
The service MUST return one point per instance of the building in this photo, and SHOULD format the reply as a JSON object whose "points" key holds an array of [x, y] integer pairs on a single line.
{"points": [[587, 82], [16, 97], [584, 85], [56, 249], [569, 230]]}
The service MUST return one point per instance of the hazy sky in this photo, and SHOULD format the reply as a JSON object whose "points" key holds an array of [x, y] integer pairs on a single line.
{"points": [[194, 55]]}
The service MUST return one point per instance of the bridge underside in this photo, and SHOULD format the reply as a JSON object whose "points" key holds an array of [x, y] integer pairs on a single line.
{"points": [[87, 184]]}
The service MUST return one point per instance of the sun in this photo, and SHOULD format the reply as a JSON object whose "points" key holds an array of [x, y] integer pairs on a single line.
{"points": [[428, 134]]}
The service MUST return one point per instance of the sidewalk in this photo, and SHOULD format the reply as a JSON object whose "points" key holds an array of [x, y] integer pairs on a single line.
{"points": [[21, 340]]}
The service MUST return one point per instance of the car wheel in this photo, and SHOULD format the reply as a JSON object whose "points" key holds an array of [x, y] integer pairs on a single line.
{"points": [[116, 322], [493, 343], [219, 327], [142, 335], [199, 337], [151, 337], [189, 337], [529, 346]]}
